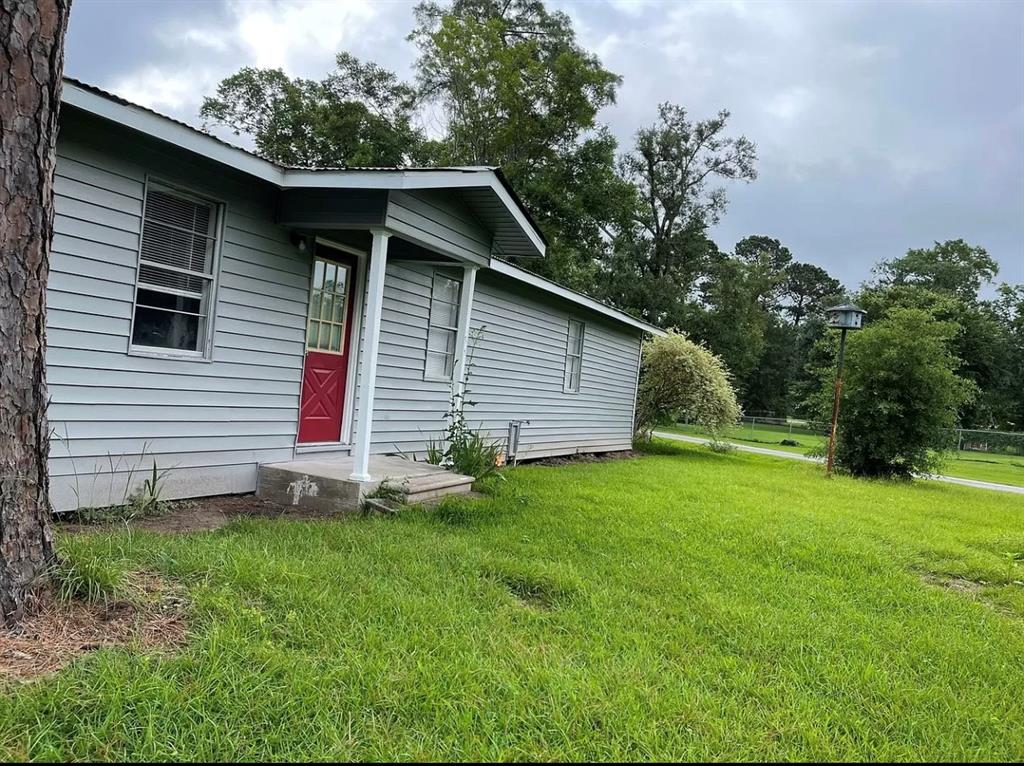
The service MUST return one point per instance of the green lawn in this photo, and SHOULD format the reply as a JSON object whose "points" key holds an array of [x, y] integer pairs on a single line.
{"points": [[680, 606], [1002, 469], [981, 466]]}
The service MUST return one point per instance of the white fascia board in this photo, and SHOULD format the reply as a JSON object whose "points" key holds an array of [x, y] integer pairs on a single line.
{"points": [[174, 133], [563, 292]]}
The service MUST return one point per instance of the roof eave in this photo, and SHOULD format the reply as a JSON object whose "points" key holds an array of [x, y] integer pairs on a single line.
{"points": [[115, 109]]}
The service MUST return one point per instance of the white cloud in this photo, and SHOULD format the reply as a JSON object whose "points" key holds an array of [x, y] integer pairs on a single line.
{"points": [[299, 36], [163, 89], [632, 7], [789, 104], [279, 34]]}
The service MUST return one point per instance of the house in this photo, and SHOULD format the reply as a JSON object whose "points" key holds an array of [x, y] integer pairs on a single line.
{"points": [[212, 312]]}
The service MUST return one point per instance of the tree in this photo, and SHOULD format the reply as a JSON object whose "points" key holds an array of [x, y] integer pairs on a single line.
{"points": [[1007, 392], [901, 393], [515, 89], [952, 267], [807, 287], [767, 260], [360, 114], [679, 377], [978, 342], [31, 67], [673, 167], [733, 322], [514, 86]]}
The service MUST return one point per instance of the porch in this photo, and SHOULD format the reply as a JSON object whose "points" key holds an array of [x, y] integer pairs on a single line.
{"points": [[327, 486]]}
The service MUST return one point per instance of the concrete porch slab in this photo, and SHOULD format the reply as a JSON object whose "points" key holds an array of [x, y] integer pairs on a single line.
{"points": [[324, 485]]}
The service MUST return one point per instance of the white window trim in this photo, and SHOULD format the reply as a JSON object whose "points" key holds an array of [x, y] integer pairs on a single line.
{"points": [[566, 386], [220, 210], [430, 326]]}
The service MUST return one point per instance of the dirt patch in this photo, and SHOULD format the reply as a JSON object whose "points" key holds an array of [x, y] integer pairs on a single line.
{"points": [[955, 584], [587, 457], [200, 515], [988, 594], [58, 632]]}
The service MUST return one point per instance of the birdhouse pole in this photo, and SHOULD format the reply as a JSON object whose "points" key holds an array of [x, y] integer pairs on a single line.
{"points": [[844, 318]]}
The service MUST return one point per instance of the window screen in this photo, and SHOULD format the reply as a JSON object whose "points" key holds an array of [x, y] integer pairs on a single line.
{"points": [[574, 356], [443, 327], [175, 281]]}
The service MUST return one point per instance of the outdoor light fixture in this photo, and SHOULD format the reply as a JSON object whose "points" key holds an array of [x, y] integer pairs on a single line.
{"points": [[300, 241], [842, 318]]}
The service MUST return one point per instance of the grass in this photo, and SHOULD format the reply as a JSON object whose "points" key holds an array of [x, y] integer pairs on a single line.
{"points": [[683, 605], [981, 466], [984, 466]]}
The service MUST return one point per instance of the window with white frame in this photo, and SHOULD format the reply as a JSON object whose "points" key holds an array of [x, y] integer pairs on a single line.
{"points": [[174, 291], [573, 356], [443, 327]]}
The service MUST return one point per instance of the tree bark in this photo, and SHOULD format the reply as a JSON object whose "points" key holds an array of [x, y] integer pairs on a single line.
{"points": [[31, 67]]}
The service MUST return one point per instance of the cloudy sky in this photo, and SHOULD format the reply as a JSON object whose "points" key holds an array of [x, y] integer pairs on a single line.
{"points": [[880, 126]]}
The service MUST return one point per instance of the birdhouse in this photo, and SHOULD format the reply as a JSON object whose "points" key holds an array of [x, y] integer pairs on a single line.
{"points": [[845, 317]]}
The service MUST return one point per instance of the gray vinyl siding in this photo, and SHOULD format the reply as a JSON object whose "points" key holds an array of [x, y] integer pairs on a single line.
{"points": [[408, 410], [208, 423], [441, 222], [518, 365]]}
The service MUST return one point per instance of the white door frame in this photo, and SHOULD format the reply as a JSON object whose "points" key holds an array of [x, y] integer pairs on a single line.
{"points": [[358, 292]]}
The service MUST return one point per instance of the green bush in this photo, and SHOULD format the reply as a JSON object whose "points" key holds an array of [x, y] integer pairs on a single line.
{"points": [[900, 393], [679, 378]]}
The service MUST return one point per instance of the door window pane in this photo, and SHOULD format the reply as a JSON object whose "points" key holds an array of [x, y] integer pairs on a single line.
{"points": [[328, 306]]}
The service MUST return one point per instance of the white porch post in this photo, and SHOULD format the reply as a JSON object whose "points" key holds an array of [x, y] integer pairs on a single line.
{"points": [[370, 342], [462, 336]]}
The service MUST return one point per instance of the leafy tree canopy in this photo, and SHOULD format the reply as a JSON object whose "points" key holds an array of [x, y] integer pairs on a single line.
{"points": [[514, 85], [661, 249], [515, 89], [808, 288], [360, 114], [953, 267]]}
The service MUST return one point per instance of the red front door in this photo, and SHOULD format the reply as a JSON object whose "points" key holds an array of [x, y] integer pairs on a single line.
{"points": [[328, 340]]}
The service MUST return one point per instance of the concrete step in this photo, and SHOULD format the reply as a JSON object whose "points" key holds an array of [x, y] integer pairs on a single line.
{"points": [[422, 489], [326, 486]]}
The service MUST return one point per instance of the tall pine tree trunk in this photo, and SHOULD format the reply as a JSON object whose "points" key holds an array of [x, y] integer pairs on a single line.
{"points": [[31, 66]]}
